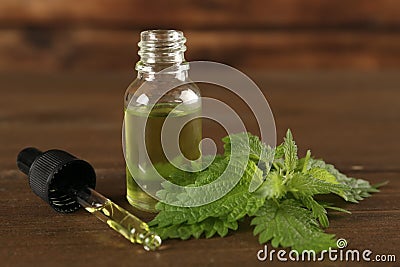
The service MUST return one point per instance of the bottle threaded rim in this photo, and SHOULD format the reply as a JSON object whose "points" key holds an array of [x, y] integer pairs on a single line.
{"points": [[161, 46]]}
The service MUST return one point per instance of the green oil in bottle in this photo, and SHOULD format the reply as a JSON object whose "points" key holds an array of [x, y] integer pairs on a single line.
{"points": [[139, 118]]}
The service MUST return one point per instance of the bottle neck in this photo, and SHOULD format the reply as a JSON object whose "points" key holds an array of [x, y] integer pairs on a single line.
{"points": [[161, 51]]}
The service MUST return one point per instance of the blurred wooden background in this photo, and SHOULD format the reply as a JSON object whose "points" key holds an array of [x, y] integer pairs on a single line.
{"points": [[270, 34]]}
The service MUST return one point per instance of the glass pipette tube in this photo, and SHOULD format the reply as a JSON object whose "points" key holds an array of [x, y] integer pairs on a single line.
{"points": [[119, 219]]}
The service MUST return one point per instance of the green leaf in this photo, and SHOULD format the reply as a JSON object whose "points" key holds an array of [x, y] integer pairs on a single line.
{"points": [[208, 227], [232, 207], [356, 189], [273, 186], [323, 174], [337, 209], [318, 210], [260, 153], [306, 185], [258, 150], [290, 151], [279, 153], [288, 224], [306, 160]]}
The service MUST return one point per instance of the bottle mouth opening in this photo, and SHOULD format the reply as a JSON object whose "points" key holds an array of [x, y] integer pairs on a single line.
{"points": [[161, 46], [156, 36]]}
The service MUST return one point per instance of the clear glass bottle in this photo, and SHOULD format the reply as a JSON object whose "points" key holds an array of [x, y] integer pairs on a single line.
{"points": [[159, 50]]}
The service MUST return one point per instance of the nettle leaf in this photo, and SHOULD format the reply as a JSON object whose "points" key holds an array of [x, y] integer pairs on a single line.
{"points": [[246, 141], [279, 153], [208, 227], [288, 224], [303, 164], [232, 207], [323, 174], [276, 187], [273, 186], [318, 211], [306, 185], [259, 152], [356, 189], [170, 194], [290, 151]]}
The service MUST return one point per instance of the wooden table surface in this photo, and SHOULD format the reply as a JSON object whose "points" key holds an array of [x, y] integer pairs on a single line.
{"points": [[350, 119]]}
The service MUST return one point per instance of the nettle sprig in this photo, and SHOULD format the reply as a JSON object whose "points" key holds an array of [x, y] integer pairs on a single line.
{"points": [[276, 189]]}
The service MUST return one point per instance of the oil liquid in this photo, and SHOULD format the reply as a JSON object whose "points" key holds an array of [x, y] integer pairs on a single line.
{"points": [[125, 223], [139, 118]]}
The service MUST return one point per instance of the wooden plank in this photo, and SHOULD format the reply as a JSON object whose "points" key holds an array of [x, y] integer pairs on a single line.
{"points": [[185, 15], [106, 49]]}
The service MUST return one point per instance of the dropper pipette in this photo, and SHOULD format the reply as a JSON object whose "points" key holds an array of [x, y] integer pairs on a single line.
{"points": [[66, 183]]}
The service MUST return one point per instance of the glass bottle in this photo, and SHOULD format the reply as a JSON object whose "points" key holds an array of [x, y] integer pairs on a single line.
{"points": [[160, 50]]}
